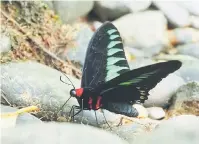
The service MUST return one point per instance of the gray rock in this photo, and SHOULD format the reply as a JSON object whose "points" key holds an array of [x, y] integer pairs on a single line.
{"points": [[189, 71], [31, 83], [140, 62], [185, 35], [25, 118], [186, 100], [176, 14], [161, 94], [69, 11], [191, 49], [5, 44], [60, 133], [78, 53], [110, 10], [144, 30], [191, 6], [195, 21], [136, 53], [182, 129], [156, 113], [182, 58]]}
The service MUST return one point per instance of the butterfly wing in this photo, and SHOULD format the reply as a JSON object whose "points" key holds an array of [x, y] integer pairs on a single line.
{"points": [[105, 57], [135, 84]]}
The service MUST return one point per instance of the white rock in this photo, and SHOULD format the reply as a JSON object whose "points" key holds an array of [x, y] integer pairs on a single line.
{"points": [[5, 44], [144, 30], [72, 10], [156, 113], [163, 91], [191, 6], [183, 129], [176, 14]]}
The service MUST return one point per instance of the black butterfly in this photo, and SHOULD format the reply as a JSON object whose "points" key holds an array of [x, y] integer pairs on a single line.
{"points": [[107, 78]]}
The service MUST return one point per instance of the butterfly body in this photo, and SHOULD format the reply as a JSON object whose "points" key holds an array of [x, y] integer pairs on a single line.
{"points": [[107, 80]]}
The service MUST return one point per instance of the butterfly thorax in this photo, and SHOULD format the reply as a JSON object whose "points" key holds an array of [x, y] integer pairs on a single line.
{"points": [[90, 99]]}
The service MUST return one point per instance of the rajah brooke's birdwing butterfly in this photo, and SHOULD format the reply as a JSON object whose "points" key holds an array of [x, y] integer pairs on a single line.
{"points": [[107, 78]]}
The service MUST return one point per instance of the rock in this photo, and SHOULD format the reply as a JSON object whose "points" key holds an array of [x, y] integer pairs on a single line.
{"points": [[96, 25], [182, 58], [51, 133], [183, 129], [144, 30], [136, 6], [69, 11], [186, 100], [156, 113], [161, 94], [83, 38], [176, 14], [195, 21], [25, 118], [140, 62], [5, 44], [183, 35], [133, 53], [31, 83], [191, 49], [192, 6], [189, 71], [110, 10]]}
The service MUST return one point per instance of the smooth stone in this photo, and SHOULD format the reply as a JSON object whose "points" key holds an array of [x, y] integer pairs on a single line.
{"points": [[180, 57], [189, 71], [191, 49], [78, 53], [191, 6], [25, 118], [110, 10], [144, 30], [161, 94], [156, 113], [195, 21], [61, 133], [140, 62], [182, 129], [176, 14], [31, 83], [186, 100], [69, 11], [134, 53], [183, 35], [5, 44]]}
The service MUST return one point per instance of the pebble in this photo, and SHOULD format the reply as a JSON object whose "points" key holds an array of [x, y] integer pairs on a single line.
{"points": [[156, 113], [5, 44]]}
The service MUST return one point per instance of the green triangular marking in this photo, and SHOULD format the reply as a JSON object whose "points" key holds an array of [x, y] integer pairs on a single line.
{"points": [[111, 31], [113, 60], [113, 43], [114, 37], [113, 51]]}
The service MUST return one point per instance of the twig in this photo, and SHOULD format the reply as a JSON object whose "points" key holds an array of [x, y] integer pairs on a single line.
{"points": [[38, 45]]}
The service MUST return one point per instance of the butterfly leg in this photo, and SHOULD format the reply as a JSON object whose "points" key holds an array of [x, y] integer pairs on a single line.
{"points": [[72, 113]]}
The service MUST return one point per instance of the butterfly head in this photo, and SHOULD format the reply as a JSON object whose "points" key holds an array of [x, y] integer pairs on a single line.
{"points": [[76, 92]]}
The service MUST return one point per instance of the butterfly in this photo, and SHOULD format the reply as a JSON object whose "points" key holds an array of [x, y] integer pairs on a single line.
{"points": [[107, 80]]}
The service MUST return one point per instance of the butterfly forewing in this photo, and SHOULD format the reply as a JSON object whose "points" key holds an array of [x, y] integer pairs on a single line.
{"points": [[105, 57]]}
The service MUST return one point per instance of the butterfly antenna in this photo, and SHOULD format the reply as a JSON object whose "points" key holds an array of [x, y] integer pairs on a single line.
{"points": [[68, 79], [106, 120], [63, 105]]}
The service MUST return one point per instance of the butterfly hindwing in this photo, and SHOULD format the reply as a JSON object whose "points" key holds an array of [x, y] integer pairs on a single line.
{"points": [[136, 84], [105, 57]]}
